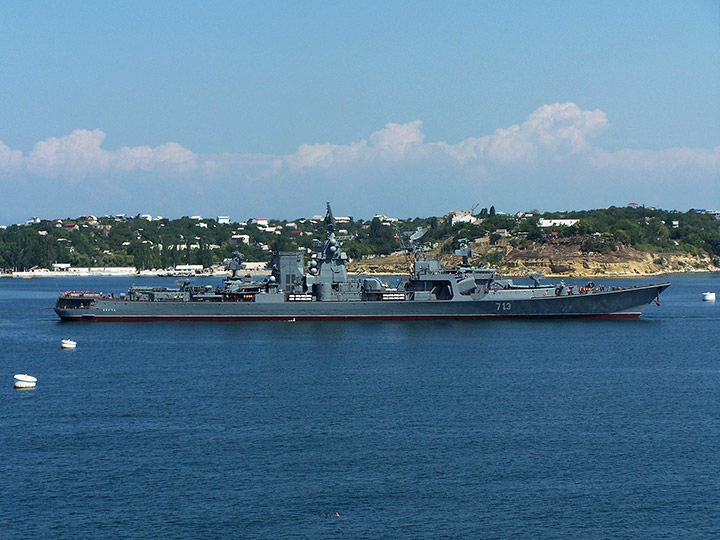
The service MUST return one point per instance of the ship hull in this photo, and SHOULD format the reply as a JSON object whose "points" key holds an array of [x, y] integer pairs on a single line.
{"points": [[622, 303]]}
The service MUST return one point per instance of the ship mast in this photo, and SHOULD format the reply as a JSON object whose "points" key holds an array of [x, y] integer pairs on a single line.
{"points": [[414, 249]]}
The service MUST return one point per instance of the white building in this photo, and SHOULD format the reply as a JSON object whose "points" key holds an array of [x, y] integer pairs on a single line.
{"points": [[259, 221], [543, 223], [460, 216], [189, 267], [255, 266], [223, 219], [244, 238], [385, 219]]}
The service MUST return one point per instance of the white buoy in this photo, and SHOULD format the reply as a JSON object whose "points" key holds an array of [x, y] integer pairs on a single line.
{"points": [[25, 381], [68, 344], [709, 297]]}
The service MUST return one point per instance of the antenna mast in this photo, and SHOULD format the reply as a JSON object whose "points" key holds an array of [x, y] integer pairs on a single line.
{"points": [[413, 247]]}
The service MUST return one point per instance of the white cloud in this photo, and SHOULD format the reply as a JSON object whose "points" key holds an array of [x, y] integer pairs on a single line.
{"points": [[10, 160], [557, 141], [169, 158], [551, 133], [668, 161], [312, 155], [397, 141], [79, 155], [559, 130], [393, 143]]}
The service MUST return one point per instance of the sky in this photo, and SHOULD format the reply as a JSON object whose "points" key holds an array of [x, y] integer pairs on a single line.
{"points": [[270, 109]]}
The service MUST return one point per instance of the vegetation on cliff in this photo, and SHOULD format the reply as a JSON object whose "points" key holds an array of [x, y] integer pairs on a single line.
{"points": [[164, 243]]}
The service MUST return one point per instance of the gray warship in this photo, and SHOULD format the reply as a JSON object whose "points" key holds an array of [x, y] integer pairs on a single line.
{"points": [[323, 291]]}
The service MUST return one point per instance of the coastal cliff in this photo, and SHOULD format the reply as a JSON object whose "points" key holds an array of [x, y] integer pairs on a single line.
{"points": [[567, 261], [561, 259]]}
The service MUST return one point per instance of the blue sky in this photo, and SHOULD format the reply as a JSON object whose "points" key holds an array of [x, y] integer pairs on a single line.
{"points": [[402, 108]]}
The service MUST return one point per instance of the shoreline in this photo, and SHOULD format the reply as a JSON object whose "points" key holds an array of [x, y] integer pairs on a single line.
{"points": [[108, 272], [567, 276], [255, 273]]}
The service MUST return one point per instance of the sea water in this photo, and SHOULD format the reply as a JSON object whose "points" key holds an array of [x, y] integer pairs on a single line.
{"points": [[475, 429]]}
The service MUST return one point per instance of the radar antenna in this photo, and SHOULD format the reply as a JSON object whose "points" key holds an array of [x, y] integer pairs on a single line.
{"points": [[464, 251], [235, 264], [182, 283], [417, 235]]}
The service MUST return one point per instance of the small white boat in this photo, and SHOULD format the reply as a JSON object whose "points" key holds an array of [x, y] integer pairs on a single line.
{"points": [[68, 344], [709, 297], [25, 381]]}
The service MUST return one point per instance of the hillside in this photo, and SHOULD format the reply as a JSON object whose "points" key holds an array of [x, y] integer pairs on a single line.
{"points": [[561, 259], [568, 259], [613, 241]]}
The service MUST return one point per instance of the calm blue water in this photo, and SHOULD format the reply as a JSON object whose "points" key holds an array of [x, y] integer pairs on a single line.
{"points": [[500, 429]]}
